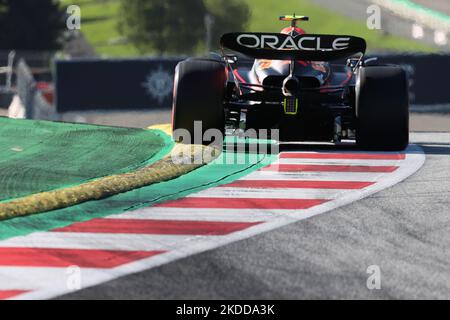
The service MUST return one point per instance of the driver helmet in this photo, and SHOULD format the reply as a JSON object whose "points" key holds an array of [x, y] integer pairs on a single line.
{"points": [[294, 31]]}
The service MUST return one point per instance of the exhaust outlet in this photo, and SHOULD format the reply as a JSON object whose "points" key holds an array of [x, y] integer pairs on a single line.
{"points": [[291, 86]]}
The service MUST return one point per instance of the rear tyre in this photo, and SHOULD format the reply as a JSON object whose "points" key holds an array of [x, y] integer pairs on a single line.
{"points": [[382, 108], [199, 91]]}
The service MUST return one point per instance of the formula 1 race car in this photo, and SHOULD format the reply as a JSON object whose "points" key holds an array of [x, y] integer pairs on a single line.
{"points": [[311, 87]]}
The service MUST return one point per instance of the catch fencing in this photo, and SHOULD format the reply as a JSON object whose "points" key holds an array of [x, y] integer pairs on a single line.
{"points": [[29, 102]]}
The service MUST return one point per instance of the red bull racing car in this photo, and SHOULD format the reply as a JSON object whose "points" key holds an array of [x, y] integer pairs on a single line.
{"points": [[310, 87]]}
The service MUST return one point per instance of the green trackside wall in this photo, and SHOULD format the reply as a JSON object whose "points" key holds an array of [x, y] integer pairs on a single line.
{"points": [[38, 156]]}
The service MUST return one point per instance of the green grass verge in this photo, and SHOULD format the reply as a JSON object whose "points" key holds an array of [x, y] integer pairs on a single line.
{"points": [[219, 172], [39, 156], [100, 17], [99, 25]]}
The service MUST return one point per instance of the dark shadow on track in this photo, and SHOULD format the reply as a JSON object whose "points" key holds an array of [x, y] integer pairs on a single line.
{"points": [[436, 148], [312, 147], [429, 148]]}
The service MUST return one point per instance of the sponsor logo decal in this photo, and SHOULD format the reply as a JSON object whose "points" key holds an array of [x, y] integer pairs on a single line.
{"points": [[305, 43], [159, 84]]}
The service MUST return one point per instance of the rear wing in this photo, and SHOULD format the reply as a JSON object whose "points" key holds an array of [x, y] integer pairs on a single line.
{"points": [[278, 46]]}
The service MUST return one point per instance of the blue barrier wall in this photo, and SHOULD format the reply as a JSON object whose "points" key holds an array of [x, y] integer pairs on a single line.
{"points": [[113, 84], [137, 84], [428, 76]]}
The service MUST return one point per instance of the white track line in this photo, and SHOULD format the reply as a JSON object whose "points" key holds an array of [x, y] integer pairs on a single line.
{"points": [[350, 162], [294, 193], [48, 279], [102, 241], [195, 214], [320, 176]]}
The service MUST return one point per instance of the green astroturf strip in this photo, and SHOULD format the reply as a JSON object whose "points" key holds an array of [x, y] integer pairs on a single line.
{"points": [[38, 156], [227, 168]]}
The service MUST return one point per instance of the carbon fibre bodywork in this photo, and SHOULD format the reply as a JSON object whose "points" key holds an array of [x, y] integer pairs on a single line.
{"points": [[326, 91], [291, 85]]}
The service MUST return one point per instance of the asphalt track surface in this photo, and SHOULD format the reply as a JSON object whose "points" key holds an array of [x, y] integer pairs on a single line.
{"points": [[420, 121], [390, 23], [404, 230], [439, 5]]}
